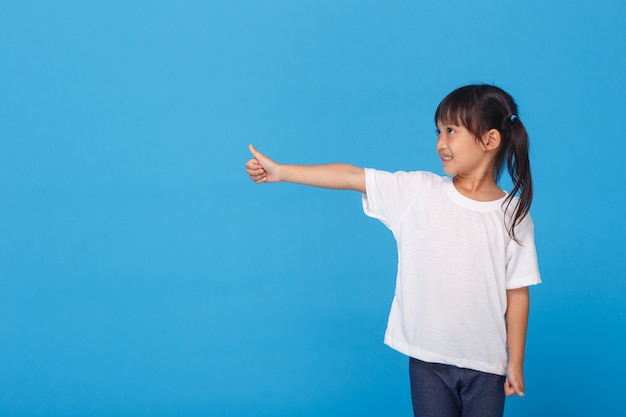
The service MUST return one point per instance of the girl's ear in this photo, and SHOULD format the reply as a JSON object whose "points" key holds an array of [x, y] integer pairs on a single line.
{"points": [[492, 140]]}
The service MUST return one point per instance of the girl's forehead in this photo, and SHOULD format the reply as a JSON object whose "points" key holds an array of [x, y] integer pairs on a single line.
{"points": [[449, 122], [455, 116]]}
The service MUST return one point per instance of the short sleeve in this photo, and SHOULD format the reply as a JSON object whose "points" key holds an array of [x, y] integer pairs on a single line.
{"points": [[522, 267], [388, 195]]}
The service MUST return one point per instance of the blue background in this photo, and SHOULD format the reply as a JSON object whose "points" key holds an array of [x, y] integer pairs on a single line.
{"points": [[143, 274]]}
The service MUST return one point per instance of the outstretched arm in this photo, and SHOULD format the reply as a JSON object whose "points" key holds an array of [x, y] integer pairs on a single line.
{"points": [[336, 176], [518, 301]]}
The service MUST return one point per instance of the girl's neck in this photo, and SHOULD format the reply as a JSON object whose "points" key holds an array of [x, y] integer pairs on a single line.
{"points": [[483, 188]]}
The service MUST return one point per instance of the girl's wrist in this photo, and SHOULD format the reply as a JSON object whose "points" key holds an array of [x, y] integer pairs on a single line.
{"points": [[279, 172]]}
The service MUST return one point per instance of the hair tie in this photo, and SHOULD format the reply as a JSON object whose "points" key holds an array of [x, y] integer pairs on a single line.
{"points": [[513, 117]]}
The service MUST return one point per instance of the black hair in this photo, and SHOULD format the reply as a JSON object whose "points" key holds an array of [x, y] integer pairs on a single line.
{"points": [[480, 108]]}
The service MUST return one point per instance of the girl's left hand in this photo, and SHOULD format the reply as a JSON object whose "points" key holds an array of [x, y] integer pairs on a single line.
{"points": [[514, 383]]}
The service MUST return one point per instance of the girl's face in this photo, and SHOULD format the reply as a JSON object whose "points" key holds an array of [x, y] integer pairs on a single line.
{"points": [[460, 152]]}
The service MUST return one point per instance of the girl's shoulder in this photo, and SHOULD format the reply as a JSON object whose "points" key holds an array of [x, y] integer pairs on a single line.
{"points": [[423, 176], [390, 194], [410, 182]]}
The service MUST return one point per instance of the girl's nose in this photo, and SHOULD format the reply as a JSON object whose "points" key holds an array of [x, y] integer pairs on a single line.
{"points": [[441, 145]]}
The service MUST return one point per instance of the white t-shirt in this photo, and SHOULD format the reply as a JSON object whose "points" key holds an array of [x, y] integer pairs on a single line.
{"points": [[455, 263]]}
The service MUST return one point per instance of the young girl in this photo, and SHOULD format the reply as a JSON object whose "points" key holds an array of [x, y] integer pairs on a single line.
{"points": [[466, 252]]}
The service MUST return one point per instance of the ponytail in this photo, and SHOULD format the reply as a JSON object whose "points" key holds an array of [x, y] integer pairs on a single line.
{"points": [[515, 153]]}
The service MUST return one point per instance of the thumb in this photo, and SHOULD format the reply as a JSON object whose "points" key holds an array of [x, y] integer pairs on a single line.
{"points": [[265, 161], [254, 152]]}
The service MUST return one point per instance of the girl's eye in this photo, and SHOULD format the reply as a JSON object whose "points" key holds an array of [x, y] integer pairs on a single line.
{"points": [[450, 131], [438, 132]]}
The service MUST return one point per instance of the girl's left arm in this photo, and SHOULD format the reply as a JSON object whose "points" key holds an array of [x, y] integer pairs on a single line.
{"points": [[518, 303]]}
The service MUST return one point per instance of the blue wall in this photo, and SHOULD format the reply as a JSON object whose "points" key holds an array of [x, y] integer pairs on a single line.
{"points": [[142, 273]]}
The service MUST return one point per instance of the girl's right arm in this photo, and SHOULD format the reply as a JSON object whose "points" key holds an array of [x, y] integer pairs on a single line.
{"points": [[336, 176]]}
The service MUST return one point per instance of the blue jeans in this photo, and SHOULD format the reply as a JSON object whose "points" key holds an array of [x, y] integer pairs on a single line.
{"points": [[448, 391]]}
